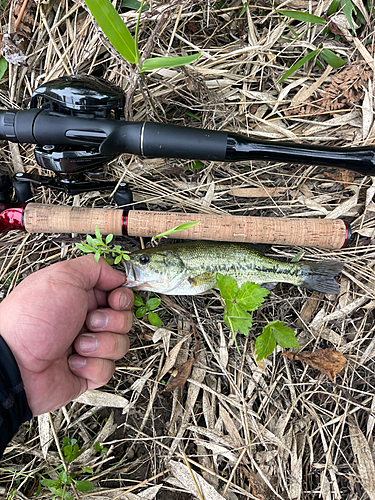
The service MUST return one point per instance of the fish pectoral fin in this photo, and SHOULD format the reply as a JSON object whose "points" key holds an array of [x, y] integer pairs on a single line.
{"points": [[202, 279]]}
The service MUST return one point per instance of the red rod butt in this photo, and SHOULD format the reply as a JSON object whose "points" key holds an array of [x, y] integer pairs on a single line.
{"points": [[11, 218]]}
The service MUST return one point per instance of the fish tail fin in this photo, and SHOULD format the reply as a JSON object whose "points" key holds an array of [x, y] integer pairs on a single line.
{"points": [[319, 276]]}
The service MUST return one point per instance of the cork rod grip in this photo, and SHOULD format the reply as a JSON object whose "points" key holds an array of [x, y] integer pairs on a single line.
{"points": [[39, 218], [319, 233]]}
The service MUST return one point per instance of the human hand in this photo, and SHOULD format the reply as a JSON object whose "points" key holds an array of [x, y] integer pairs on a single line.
{"points": [[65, 330]]}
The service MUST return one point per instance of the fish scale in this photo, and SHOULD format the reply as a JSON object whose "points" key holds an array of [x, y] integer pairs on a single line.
{"points": [[191, 268]]}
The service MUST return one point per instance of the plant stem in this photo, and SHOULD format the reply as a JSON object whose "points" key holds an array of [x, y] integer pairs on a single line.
{"points": [[137, 29]]}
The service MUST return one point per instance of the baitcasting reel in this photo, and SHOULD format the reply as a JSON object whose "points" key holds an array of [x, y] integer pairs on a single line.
{"points": [[76, 123], [75, 166]]}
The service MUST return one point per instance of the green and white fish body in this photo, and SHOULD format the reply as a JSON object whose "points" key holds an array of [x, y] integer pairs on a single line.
{"points": [[191, 268]]}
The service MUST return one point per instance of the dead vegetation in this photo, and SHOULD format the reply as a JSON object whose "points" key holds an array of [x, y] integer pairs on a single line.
{"points": [[237, 428]]}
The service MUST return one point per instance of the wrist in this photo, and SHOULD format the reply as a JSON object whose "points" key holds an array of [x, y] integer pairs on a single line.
{"points": [[14, 408]]}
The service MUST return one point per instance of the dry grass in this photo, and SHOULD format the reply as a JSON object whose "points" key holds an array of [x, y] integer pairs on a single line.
{"points": [[237, 429]]}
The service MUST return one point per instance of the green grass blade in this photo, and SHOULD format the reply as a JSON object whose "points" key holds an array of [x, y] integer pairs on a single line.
{"points": [[333, 7], [303, 16], [3, 66], [113, 27], [168, 62], [298, 64], [348, 9], [177, 229], [332, 59], [133, 4]]}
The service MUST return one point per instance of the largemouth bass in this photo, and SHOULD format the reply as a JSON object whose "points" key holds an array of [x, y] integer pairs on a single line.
{"points": [[191, 268]]}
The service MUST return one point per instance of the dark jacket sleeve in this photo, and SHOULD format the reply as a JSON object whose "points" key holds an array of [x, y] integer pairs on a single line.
{"points": [[14, 409]]}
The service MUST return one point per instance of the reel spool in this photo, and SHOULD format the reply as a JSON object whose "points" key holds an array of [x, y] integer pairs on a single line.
{"points": [[82, 96]]}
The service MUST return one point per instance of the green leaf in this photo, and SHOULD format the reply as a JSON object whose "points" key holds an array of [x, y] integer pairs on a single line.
{"points": [[196, 165], [3, 66], [118, 259], [192, 115], [109, 261], [303, 16], [228, 288], [348, 9], [49, 482], [97, 257], [56, 491], [332, 59], [237, 318], [265, 344], [83, 249], [68, 449], [250, 296], [114, 28], [140, 312], [273, 332], [133, 4], [90, 240], [138, 300], [63, 476], [297, 256], [98, 235], [71, 451], [88, 470], [66, 496], [168, 62], [298, 64], [108, 239], [243, 10], [152, 304], [88, 247], [283, 335], [97, 446], [333, 7], [154, 319], [181, 227], [84, 485]]}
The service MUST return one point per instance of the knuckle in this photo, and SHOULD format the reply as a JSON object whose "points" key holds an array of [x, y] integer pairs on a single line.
{"points": [[127, 321], [120, 346], [105, 371]]}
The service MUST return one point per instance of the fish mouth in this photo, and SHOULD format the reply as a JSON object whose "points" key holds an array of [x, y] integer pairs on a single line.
{"points": [[134, 277], [136, 280]]}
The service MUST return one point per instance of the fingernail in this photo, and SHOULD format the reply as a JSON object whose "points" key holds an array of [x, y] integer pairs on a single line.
{"points": [[88, 343], [124, 301], [76, 361], [99, 319]]}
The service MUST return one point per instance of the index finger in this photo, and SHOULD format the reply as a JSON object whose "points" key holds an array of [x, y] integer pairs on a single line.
{"points": [[88, 274]]}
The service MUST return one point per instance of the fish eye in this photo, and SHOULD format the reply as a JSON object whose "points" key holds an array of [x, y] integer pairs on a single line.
{"points": [[143, 259]]}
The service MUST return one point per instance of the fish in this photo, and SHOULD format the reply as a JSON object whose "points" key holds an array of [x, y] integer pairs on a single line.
{"points": [[191, 268]]}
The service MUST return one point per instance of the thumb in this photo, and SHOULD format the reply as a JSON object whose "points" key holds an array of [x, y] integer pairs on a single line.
{"points": [[91, 274]]}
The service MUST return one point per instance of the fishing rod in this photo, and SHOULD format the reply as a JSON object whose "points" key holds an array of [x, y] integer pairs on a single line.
{"points": [[75, 121], [77, 126], [44, 218]]}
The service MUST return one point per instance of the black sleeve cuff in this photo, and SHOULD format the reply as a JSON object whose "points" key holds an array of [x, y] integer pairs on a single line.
{"points": [[14, 409]]}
